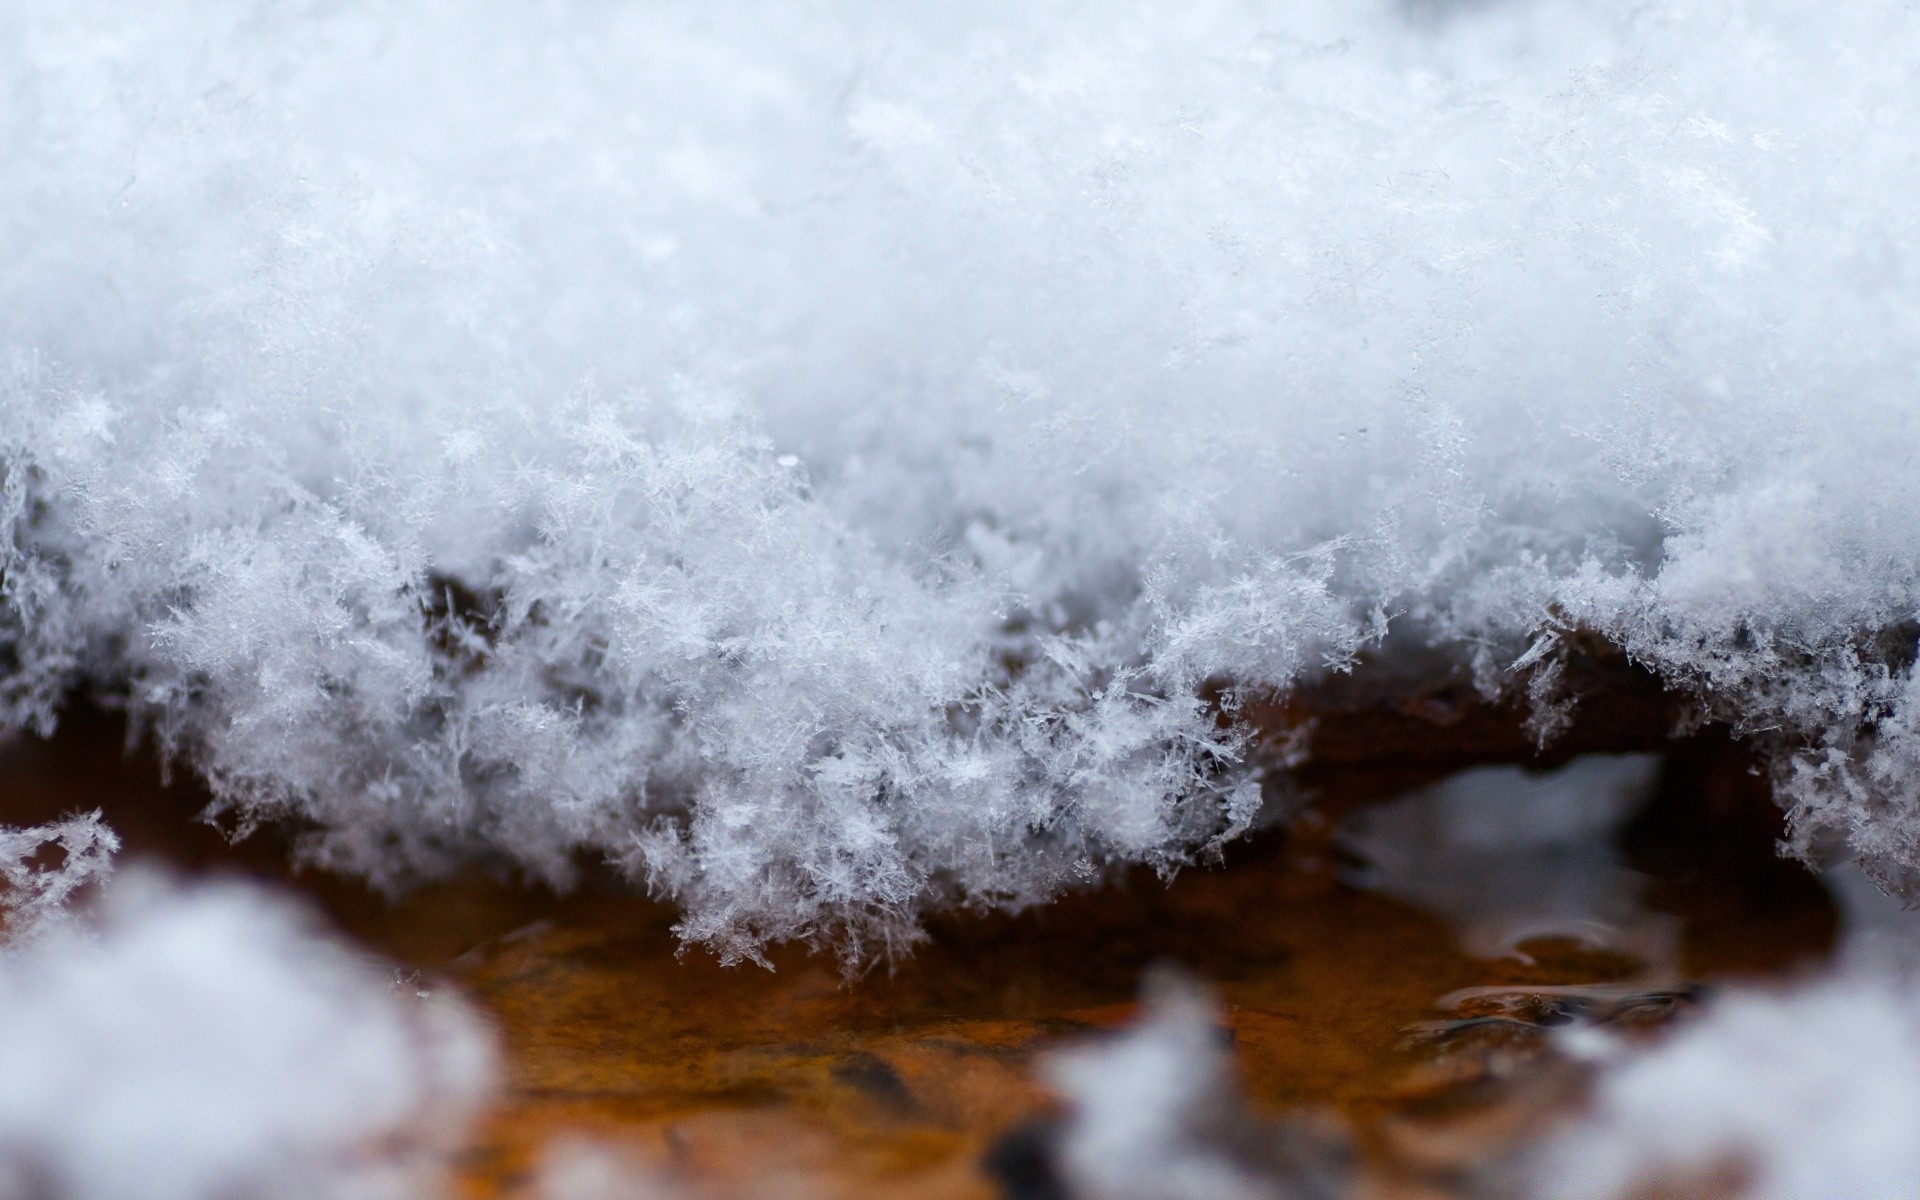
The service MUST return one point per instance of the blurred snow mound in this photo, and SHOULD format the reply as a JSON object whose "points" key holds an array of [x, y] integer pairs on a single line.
{"points": [[816, 457], [1812, 1093], [1156, 1113], [206, 1042]]}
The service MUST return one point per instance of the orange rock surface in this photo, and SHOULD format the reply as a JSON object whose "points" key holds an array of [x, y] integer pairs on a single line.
{"points": [[797, 1082]]}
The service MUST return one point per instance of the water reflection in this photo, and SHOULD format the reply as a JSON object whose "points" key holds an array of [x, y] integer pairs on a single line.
{"points": [[1339, 1000], [1510, 856], [1876, 931]]}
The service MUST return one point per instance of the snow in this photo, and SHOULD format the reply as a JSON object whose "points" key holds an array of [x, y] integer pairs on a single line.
{"points": [[1811, 1090], [579, 1169], [819, 457], [207, 1041], [1155, 1113], [1801, 1094], [1136, 1100], [47, 869]]}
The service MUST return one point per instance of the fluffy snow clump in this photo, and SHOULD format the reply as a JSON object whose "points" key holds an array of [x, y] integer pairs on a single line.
{"points": [[828, 459], [205, 1043]]}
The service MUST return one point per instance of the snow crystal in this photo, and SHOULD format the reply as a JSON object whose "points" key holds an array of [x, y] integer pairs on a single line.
{"points": [[42, 887], [826, 459], [206, 1042]]}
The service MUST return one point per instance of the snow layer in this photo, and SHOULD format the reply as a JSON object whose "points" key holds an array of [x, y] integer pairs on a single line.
{"points": [[207, 1042], [817, 455]]}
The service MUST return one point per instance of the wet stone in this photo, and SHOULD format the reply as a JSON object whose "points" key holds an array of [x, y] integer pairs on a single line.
{"points": [[1440, 1061]]}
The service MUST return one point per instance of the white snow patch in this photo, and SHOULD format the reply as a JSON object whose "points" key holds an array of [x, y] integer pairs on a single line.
{"points": [[206, 1043], [46, 867], [1803, 1094], [1156, 1113]]}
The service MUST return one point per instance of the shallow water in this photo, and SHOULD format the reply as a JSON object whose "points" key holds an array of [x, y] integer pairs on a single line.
{"points": [[794, 1082]]}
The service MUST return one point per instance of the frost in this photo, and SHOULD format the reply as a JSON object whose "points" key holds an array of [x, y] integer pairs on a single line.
{"points": [[836, 460], [207, 1042]]}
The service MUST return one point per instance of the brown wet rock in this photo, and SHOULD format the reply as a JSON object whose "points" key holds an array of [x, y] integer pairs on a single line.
{"points": [[912, 1077], [795, 1082]]}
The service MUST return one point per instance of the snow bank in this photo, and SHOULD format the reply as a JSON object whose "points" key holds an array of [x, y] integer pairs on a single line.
{"points": [[816, 456], [206, 1042]]}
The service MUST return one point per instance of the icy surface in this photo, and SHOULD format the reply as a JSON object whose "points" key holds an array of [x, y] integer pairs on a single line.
{"points": [[816, 456], [1877, 932], [207, 1043], [1808, 1092]]}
